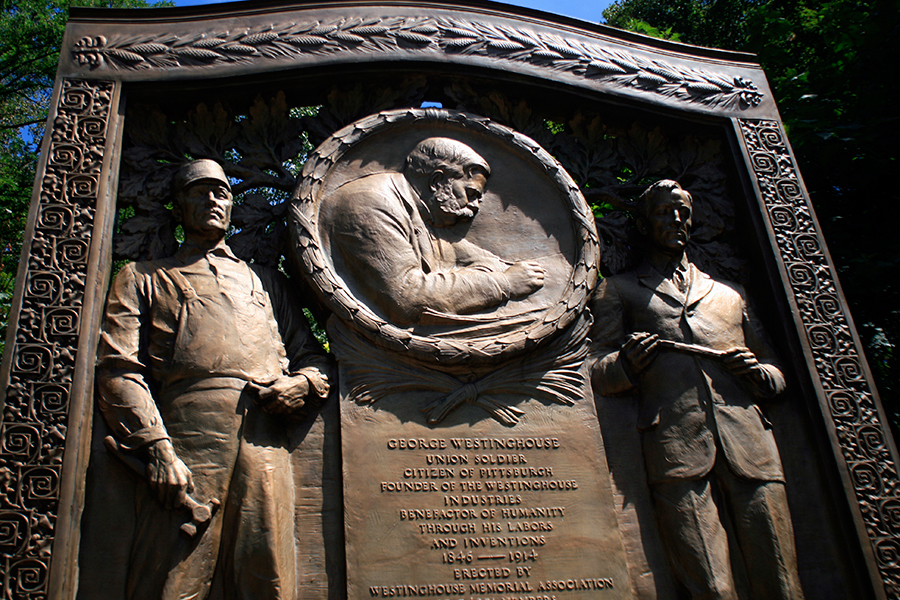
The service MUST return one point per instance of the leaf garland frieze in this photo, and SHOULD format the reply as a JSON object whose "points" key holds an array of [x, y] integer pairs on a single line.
{"points": [[591, 61]]}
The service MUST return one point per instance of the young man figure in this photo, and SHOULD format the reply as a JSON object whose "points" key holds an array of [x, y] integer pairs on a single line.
{"points": [[700, 426]]}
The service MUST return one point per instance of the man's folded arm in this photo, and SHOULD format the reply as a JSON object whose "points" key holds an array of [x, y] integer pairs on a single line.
{"points": [[378, 251]]}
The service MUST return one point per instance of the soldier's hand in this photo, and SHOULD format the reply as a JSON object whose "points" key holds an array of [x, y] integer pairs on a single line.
{"points": [[741, 361], [168, 476], [285, 396], [638, 352], [525, 277]]}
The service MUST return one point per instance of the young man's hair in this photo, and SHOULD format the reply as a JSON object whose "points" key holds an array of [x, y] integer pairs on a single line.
{"points": [[663, 187]]}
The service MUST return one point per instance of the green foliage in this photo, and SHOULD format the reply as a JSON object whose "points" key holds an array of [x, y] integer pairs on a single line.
{"points": [[29, 49], [648, 29], [31, 33], [17, 166], [317, 330], [714, 23], [832, 68]]}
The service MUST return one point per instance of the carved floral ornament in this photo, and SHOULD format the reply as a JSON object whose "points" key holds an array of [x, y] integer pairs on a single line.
{"points": [[522, 333], [452, 36]]}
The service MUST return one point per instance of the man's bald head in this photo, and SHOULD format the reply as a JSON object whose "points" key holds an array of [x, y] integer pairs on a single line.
{"points": [[444, 154], [449, 177]]}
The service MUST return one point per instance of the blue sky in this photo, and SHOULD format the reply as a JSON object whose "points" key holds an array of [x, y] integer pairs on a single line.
{"points": [[587, 10]]}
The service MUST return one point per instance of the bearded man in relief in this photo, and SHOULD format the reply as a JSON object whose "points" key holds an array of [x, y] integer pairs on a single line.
{"points": [[394, 234]]}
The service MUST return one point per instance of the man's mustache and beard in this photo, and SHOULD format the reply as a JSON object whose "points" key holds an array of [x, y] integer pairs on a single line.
{"points": [[447, 204]]}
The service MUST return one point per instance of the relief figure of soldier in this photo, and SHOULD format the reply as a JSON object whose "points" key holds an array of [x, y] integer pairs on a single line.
{"points": [[695, 356], [203, 360]]}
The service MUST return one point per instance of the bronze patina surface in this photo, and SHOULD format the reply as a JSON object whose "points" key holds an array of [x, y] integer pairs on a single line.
{"points": [[366, 234], [203, 361], [472, 508], [471, 325], [693, 352], [483, 474]]}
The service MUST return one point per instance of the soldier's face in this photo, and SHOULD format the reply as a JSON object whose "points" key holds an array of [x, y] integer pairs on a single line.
{"points": [[458, 197], [205, 208], [668, 222]]}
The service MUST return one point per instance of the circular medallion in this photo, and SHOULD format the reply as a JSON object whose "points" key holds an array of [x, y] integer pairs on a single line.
{"points": [[444, 235]]}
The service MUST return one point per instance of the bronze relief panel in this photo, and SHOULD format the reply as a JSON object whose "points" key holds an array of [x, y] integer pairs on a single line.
{"points": [[457, 256]]}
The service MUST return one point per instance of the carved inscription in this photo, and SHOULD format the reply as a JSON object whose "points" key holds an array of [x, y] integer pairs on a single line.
{"points": [[492, 515], [489, 509]]}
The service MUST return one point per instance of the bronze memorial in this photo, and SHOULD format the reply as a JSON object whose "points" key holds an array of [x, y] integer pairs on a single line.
{"points": [[386, 230], [345, 300], [478, 458]]}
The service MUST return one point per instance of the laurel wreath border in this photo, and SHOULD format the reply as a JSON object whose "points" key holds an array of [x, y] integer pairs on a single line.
{"points": [[303, 216]]}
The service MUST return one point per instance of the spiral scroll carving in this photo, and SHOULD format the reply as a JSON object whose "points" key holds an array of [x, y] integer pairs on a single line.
{"points": [[36, 408], [890, 514], [873, 473]]}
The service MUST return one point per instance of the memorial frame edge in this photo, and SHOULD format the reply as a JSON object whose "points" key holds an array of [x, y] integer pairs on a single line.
{"points": [[63, 583], [801, 327]]}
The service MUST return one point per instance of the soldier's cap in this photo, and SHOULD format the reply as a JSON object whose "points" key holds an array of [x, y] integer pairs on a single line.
{"points": [[199, 170]]}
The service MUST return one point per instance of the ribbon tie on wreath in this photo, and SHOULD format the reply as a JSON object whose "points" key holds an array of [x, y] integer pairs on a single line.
{"points": [[437, 411]]}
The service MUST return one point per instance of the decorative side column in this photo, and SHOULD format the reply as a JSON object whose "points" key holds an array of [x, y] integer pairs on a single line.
{"points": [[852, 412], [46, 378]]}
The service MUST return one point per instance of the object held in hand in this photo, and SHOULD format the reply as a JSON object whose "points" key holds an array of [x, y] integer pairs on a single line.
{"points": [[690, 348], [255, 389], [201, 514]]}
